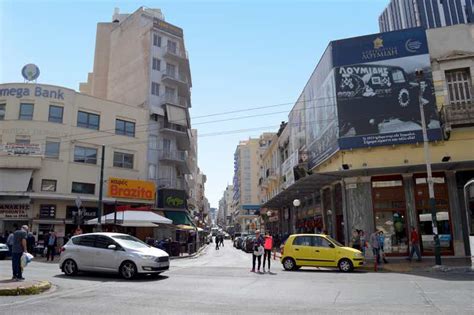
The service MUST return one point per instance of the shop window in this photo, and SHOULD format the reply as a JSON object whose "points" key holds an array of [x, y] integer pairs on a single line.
{"points": [[43, 230], [85, 155], [459, 86], [55, 114], [52, 149], [123, 160], [83, 188], [88, 120], [47, 211], [26, 111], [125, 128], [2, 111], [48, 185]]}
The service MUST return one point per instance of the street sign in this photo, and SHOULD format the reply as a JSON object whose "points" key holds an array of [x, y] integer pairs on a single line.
{"points": [[78, 202]]}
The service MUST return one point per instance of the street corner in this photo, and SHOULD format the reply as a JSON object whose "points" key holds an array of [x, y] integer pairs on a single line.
{"points": [[10, 287]]}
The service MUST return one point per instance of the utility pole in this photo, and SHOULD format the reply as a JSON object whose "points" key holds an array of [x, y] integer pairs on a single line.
{"points": [[101, 190], [432, 202]]}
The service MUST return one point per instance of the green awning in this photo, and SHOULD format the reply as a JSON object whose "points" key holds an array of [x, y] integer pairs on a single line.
{"points": [[178, 217]]}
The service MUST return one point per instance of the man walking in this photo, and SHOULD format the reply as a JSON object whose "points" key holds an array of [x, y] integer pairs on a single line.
{"points": [[217, 242], [415, 244], [374, 242], [18, 248], [51, 243]]}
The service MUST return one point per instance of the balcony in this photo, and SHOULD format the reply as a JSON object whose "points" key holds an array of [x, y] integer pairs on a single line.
{"points": [[458, 115], [272, 174], [176, 54], [176, 156], [263, 182], [179, 80], [174, 100], [21, 162], [172, 183], [181, 133]]}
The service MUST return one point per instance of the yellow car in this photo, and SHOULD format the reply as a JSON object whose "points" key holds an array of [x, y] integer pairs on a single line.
{"points": [[318, 250]]}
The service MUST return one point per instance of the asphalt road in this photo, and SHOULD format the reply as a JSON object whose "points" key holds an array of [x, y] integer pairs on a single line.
{"points": [[220, 282]]}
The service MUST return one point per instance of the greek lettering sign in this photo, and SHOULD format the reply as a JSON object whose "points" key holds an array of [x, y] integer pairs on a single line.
{"points": [[21, 149], [167, 27], [14, 211], [131, 189]]}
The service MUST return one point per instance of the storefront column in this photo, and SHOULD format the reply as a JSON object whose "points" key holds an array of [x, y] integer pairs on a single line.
{"points": [[408, 185], [324, 211], [333, 212], [357, 201], [456, 220]]}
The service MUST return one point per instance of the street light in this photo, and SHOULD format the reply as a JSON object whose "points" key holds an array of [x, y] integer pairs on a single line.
{"points": [[420, 77], [296, 202]]}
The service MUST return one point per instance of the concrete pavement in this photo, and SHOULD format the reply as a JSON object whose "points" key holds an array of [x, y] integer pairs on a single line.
{"points": [[219, 282]]}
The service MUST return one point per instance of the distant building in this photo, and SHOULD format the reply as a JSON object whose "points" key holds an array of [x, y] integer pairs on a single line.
{"points": [[401, 14]]}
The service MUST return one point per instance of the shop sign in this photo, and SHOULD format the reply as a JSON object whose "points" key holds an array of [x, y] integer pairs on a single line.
{"points": [[131, 189], [167, 27], [172, 198], [31, 149], [14, 211], [38, 91], [88, 213], [287, 169]]}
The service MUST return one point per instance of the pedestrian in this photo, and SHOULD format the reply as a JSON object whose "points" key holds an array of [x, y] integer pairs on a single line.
{"points": [[381, 237], [19, 247], [363, 242], [217, 242], [415, 244], [356, 239], [78, 231], [374, 243], [257, 250], [30, 242], [10, 239], [51, 242], [268, 246]]}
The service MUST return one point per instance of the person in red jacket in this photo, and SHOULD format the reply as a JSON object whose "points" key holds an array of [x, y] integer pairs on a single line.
{"points": [[415, 244], [268, 246]]}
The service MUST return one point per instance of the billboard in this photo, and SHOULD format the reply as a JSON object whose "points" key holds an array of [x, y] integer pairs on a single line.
{"points": [[131, 189], [377, 93], [172, 199]]}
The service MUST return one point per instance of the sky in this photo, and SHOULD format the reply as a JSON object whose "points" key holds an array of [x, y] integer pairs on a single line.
{"points": [[243, 54]]}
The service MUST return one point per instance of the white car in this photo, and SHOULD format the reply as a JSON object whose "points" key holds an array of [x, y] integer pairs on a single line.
{"points": [[3, 251], [112, 253]]}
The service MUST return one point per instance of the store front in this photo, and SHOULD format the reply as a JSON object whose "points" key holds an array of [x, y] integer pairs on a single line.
{"points": [[14, 211], [389, 208]]}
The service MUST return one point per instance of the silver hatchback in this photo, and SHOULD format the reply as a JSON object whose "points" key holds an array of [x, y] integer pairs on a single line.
{"points": [[112, 253]]}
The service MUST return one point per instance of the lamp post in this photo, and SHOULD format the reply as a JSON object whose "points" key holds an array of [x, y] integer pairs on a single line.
{"points": [[296, 204], [432, 202]]}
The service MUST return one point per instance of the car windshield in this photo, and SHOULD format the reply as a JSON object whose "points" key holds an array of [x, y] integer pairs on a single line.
{"points": [[130, 241], [334, 241]]}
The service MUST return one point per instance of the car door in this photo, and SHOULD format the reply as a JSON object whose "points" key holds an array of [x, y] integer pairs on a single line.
{"points": [[323, 254], [85, 252], [107, 259], [302, 250]]}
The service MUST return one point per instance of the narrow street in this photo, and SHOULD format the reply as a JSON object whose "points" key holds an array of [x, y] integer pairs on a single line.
{"points": [[220, 282]]}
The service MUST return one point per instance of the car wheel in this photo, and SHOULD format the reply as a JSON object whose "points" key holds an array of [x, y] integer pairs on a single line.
{"points": [[70, 267], [128, 270], [289, 264], [345, 265]]}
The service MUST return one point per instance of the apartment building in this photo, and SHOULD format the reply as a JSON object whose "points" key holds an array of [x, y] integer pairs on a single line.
{"points": [[141, 60]]}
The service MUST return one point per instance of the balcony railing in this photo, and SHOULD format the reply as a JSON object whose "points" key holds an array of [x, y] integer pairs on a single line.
{"points": [[172, 183], [175, 100], [174, 127], [458, 115], [176, 155], [174, 51], [181, 78]]}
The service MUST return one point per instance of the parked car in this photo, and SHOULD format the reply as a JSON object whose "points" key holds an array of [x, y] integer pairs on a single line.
{"points": [[236, 241], [3, 251], [319, 250], [248, 247], [112, 253]]}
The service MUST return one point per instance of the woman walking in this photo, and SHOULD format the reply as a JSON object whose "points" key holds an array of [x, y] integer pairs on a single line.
{"points": [[268, 246], [257, 250]]}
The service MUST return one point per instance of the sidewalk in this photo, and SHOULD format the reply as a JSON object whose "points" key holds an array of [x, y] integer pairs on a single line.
{"points": [[27, 287], [401, 265]]}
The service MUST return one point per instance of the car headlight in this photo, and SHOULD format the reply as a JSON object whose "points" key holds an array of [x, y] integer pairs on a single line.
{"points": [[358, 255], [148, 257]]}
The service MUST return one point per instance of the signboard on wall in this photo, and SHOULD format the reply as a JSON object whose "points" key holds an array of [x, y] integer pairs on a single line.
{"points": [[30, 149], [131, 189], [14, 210], [378, 94], [172, 198]]}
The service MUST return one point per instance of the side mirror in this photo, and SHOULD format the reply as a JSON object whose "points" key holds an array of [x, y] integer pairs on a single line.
{"points": [[112, 246], [332, 245]]}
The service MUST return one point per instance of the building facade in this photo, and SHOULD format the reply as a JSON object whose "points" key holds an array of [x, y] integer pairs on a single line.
{"points": [[141, 60], [362, 165], [51, 141], [402, 14]]}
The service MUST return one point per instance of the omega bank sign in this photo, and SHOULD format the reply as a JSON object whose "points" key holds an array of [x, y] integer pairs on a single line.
{"points": [[131, 189]]}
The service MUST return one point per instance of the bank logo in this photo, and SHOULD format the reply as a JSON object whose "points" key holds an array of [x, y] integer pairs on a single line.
{"points": [[378, 43], [30, 72], [412, 45]]}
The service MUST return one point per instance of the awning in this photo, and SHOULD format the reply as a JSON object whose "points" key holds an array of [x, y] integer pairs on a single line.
{"points": [[178, 217], [133, 218], [157, 110], [177, 115], [14, 180], [185, 227]]}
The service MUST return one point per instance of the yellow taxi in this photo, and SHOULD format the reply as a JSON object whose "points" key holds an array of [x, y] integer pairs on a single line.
{"points": [[318, 250]]}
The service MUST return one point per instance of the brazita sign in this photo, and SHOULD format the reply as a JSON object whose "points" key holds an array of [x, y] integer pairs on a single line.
{"points": [[38, 91], [131, 189]]}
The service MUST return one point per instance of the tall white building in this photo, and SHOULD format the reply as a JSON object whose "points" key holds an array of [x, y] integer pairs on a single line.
{"points": [[141, 60]]}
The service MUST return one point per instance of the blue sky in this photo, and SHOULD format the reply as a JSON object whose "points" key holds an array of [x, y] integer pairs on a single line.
{"points": [[243, 54]]}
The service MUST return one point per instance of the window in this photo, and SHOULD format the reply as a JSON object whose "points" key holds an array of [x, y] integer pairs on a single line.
{"points": [[170, 93], [156, 64], [2, 111], [124, 160], [55, 114], [85, 155], [88, 120], [156, 40], [103, 242], [153, 142], [166, 145], [172, 46], [125, 128], [83, 188], [26, 111], [22, 140], [320, 242], [302, 241], [86, 240], [47, 211], [52, 149], [459, 86], [48, 185], [170, 70], [155, 88], [151, 171]]}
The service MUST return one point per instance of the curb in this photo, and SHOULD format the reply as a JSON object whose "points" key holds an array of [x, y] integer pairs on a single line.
{"points": [[38, 288], [192, 255]]}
